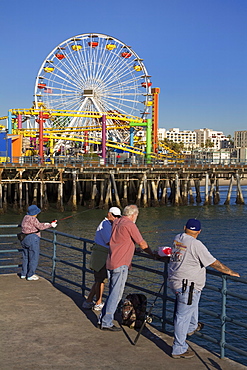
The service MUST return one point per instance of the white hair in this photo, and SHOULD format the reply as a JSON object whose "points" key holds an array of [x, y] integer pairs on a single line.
{"points": [[130, 210]]}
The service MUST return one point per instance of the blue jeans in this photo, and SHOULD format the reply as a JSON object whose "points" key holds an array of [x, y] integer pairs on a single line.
{"points": [[30, 254], [186, 319], [117, 279]]}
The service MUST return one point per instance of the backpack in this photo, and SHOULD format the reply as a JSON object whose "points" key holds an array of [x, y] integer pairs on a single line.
{"points": [[134, 310]]}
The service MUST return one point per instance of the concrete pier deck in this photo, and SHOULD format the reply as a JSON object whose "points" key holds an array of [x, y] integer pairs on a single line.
{"points": [[45, 328]]}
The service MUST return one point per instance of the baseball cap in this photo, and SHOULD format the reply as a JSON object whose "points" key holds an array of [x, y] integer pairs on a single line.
{"points": [[33, 210], [115, 211], [193, 224]]}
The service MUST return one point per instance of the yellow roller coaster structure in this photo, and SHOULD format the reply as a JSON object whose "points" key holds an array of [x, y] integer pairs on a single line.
{"points": [[121, 122]]}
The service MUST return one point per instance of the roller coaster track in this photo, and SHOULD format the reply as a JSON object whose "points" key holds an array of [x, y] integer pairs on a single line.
{"points": [[57, 135], [50, 132], [74, 113], [168, 149]]}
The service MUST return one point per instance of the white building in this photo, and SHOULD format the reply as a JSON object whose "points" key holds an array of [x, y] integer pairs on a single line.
{"points": [[161, 134], [205, 135], [188, 138]]}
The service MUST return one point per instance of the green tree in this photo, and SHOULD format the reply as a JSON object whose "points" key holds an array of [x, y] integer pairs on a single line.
{"points": [[209, 144]]}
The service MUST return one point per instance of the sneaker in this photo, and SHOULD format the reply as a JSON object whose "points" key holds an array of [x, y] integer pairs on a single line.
{"points": [[87, 305], [23, 277], [98, 307], [200, 326], [187, 354], [111, 328], [33, 277]]}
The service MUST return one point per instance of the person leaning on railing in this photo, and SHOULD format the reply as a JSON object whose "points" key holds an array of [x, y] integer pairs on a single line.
{"points": [[98, 258], [31, 227], [122, 247], [187, 277]]}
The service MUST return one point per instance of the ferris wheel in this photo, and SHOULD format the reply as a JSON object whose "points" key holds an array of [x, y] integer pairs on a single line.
{"points": [[93, 73]]}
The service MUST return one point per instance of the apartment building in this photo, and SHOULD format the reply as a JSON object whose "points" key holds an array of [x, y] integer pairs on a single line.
{"points": [[205, 135], [240, 144], [240, 139], [161, 134], [188, 138]]}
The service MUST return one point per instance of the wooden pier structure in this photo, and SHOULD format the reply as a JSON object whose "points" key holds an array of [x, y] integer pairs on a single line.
{"points": [[101, 186]]}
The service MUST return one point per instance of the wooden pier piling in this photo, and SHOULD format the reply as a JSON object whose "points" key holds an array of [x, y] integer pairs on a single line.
{"points": [[103, 187]]}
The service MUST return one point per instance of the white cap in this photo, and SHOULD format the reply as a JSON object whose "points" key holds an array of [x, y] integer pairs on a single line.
{"points": [[115, 211]]}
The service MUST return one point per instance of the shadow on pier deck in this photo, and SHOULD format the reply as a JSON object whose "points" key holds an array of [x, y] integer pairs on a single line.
{"points": [[44, 328]]}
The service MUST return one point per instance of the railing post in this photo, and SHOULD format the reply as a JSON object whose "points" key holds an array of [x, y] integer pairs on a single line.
{"points": [[54, 257], [84, 261], [223, 317], [164, 298]]}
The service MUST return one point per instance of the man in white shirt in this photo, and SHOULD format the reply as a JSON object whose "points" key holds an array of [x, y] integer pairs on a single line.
{"points": [[99, 255], [187, 277]]}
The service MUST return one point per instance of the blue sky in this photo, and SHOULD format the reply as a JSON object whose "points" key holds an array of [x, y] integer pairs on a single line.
{"points": [[195, 51]]}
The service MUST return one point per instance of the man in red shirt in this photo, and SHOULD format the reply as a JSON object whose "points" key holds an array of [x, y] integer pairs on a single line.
{"points": [[125, 235]]}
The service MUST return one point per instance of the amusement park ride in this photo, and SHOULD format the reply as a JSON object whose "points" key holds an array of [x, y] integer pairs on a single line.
{"points": [[90, 89]]}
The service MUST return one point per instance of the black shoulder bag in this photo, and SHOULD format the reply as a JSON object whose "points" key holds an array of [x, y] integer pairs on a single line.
{"points": [[21, 236]]}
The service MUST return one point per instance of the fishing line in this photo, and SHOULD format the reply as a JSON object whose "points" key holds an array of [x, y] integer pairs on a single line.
{"points": [[199, 212], [77, 213]]}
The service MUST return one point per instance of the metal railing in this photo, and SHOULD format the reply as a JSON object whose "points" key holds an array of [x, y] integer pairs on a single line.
{"points": [[65, 258], [132, 161]]}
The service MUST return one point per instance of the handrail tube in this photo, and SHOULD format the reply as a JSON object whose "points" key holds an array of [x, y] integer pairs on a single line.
{"points": [[69, 281], [236, 349], [147, 269], [10, 250], [211, 287], [10, 266], [236, 322], [67, 263], [8, 226], [239, 280], [70, 236], [62, 244], [45, 255], [53, 274], [210, 313], [164, 296], [45, 271], [223, 317], [237, 295], [207, 337], [144, 290], [84, 251]]}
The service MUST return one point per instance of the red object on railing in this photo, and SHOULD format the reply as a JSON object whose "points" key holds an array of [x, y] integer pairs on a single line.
{"points": [[126, 55], [41, 85], [60, 56], [93, 44]]}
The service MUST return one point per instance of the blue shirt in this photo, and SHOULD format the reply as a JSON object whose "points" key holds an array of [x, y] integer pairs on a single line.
{"points": [[103, 233]]}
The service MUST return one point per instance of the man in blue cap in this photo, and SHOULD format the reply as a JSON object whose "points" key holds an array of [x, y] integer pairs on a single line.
{"points": [[187, 277], [31, 227]]}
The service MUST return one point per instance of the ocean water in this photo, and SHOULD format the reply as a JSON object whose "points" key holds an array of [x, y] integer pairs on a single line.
{"points": [[224, 232]]}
